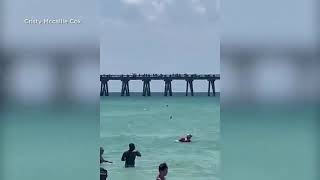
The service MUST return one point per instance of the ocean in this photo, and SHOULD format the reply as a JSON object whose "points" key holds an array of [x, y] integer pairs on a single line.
{"points": [[146, 122], [259, 142]]}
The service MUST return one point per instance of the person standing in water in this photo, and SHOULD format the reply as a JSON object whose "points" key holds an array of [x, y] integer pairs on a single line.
{"points": [[103, 171], [163, 171], [130, 156], [102, 160]]}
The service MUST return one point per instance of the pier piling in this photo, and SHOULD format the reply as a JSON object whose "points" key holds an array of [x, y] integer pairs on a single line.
{"points": [[167, 88], [104, 91], [125, 87], [189, 84], [146, 87], [211, 85]]}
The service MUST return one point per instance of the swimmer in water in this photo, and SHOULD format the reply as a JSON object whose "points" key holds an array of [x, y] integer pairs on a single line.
{"points": [[130, 156], [170, 117], [102, 160], [187, 138], [163, 171]]}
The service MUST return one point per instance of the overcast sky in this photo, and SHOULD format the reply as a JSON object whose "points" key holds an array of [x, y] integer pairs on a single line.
{"points": [[160, 36]]}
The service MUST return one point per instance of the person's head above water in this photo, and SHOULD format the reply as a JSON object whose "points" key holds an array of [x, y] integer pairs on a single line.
{"points": [[101, 150], [132, 147], [163, 169], [189, 136]]}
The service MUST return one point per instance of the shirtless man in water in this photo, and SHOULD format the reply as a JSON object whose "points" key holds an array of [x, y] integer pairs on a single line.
{"points": [[163, 171], [130, 156]]}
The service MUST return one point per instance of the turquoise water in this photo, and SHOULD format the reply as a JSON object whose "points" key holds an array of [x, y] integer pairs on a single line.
{"points": [[270, 142], [49, 142], [146, 122]]}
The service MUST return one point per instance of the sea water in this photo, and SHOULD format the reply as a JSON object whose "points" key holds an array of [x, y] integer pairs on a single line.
{"points": [[146, 122], [49, 142]]}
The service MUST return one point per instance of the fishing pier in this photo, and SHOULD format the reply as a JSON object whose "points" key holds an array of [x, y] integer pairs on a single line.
{"points": [[166, 78]]}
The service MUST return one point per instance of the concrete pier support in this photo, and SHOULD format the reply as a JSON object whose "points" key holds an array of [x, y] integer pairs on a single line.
{"points": [[211, 85], [167, 87], [189, 83], [104, 90], [125, 87], [146, 87]]}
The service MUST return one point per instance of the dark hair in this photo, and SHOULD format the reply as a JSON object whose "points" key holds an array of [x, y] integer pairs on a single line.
{"points": [[163, 166], [131, 147]]}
